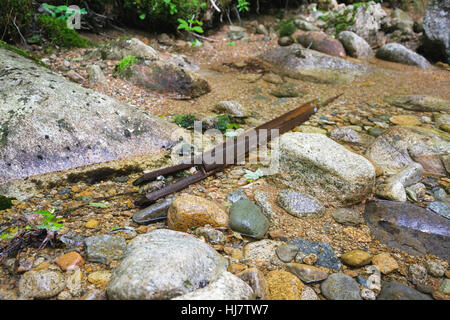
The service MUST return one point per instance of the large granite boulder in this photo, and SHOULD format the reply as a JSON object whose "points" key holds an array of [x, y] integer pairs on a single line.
{"points": [[310, 65], [48, 123], [436, 25], [314, 164], [368, 19], [396, 52]]}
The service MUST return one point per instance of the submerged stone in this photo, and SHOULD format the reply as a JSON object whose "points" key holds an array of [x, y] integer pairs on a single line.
{"points": [[408, 227], [325, 254]]}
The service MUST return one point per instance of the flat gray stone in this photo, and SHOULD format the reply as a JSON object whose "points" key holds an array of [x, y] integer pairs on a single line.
{"points": [[105, 248], [339, 286], [300, 205], [397, 291], [395, 52]]}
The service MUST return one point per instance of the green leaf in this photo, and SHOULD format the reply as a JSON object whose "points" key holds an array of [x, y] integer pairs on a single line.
{"points": [[142, 16], [197, 29]]}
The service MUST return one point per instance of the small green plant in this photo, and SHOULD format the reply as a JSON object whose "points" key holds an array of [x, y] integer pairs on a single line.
{"points": [[231, 43], [126, 62], [286, 28], [196, 43], [185, 120], [50, 222], [222, 122], [190, 25], [62, 12], [243, 5]]}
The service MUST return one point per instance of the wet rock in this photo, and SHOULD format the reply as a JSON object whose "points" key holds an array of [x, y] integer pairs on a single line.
{"points": [[325, 254], [70, 261], [405, 120], [164, 264], [231, 108], [367, 23], [397, 147], [272, 78], [300, 205], [311, 65], [226, 287], [320, 41], [71, 116], [441, 208], [398, 291], [211, 235], [288, 90], [306, 273], [155, 212], [417, 274], [354, 45], [247, 219], [418, 103], [416, 192], [283, 285], [400, 20], [435, 268], [193, 211], [445, 287], [261, 29], [356, 258], [286, 252], [367, 294], [95, 74], [339, 286], [385, 263], [256, 280], [316, 165], [104, 248], [408, 227], [121, 48], [74, 283], [95, 294], [263, 253], [309, 129], [347, 217], [305, 25], [285, 41], [396, 52], [346, 134], [164, 77], [440, 195], [41, 284], [436, 25]]}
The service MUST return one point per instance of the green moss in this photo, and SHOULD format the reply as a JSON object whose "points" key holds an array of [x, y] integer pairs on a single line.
{"points": [[286, 28], [126, 62], [59, 34], [23, 53], [5, 203], [222, 122], [185, 120]]}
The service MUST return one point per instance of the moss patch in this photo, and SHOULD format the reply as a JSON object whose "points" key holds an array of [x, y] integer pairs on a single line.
{"points": [[5, 203], [286, 28], [59, 34], [185, 120], [23, 53]]}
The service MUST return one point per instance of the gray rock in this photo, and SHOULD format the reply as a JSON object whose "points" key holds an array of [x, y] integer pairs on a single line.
{"points": [[236, 195], [155, 212], [325, 254], [396, 52], [183, 62], [416, 192], [436, 25], [402, 21], [408, 227], [300, 205], [261, 29], [418, 103], [418, 274], [286, 252], [306, 273], [311, 65], [440, 195], [445, 287], [285, 41], [105, 248], [367, 23], [95, 74], [231, 108], [347, 217], [51, 124], [316, 165], [349, 135], [305, 25], [441, 208], [288, 90], [227, 287], [261, 201], [120, 48], [255, 279], [247, 219], [399, 146], [41, 284], [398, 291], [339, 286], [164, 264], [354, 45], [212, 235], [263, 252]]}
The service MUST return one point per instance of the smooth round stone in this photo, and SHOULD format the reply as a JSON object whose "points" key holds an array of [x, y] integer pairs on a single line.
{"points": [[306, 273], [212, 235], [339, 286], [356, 258], [398, 291], [286, 252], [247, 219], [435, 269], [385, 263], [105, 248], [375, 132], [153, 213], [300, 205], [348, 217], [445, 287], [255, 279], [285, 41], [41, 284]]}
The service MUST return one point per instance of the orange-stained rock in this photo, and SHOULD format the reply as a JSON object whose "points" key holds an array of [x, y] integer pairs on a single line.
{"points": [[235, 268], [189, 211], [70, 261], [385, 263], [283, 285]]}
